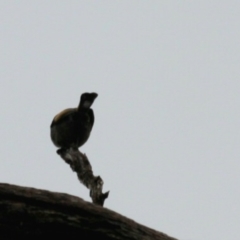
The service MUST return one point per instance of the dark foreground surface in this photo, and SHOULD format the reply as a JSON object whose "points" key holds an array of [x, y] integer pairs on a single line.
{"points": [[30, 212]]}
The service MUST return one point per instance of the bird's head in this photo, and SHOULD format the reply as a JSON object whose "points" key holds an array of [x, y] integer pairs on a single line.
{"points": [[87, 100]]}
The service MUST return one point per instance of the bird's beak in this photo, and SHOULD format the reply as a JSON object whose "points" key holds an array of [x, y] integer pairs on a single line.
{"points": [[95, 95]]}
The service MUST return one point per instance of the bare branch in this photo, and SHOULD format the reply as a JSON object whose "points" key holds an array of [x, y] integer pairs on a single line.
{"points": [[28, 213], [81, 165]]}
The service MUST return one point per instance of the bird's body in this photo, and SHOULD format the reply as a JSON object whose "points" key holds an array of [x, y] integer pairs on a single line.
{"points": [[71, 127]]}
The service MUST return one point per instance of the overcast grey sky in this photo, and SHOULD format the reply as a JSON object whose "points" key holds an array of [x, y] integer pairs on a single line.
{"points": [[166, 137]]}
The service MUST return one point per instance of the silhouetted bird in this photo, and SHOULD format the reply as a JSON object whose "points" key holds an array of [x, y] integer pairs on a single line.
{"points": [[72, 126]]}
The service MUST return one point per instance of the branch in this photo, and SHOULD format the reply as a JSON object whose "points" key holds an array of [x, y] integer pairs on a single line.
{"points": [[81, 165], [28, 212]]}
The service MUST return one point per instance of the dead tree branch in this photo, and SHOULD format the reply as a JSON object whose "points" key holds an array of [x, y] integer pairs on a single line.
{"points": [[81, 165], [28, 212]]}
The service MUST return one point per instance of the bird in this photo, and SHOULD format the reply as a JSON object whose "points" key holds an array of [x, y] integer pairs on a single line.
{"points": [[71, 127]]}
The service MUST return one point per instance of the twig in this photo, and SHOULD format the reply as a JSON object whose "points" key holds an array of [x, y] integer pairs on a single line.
{"points": [[81, 165]]}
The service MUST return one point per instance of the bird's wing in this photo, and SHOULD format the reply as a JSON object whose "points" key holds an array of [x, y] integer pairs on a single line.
{"points": [[60, 116]]}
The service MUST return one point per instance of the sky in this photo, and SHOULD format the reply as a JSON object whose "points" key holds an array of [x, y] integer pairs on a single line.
{"points": [[166, 135]]}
